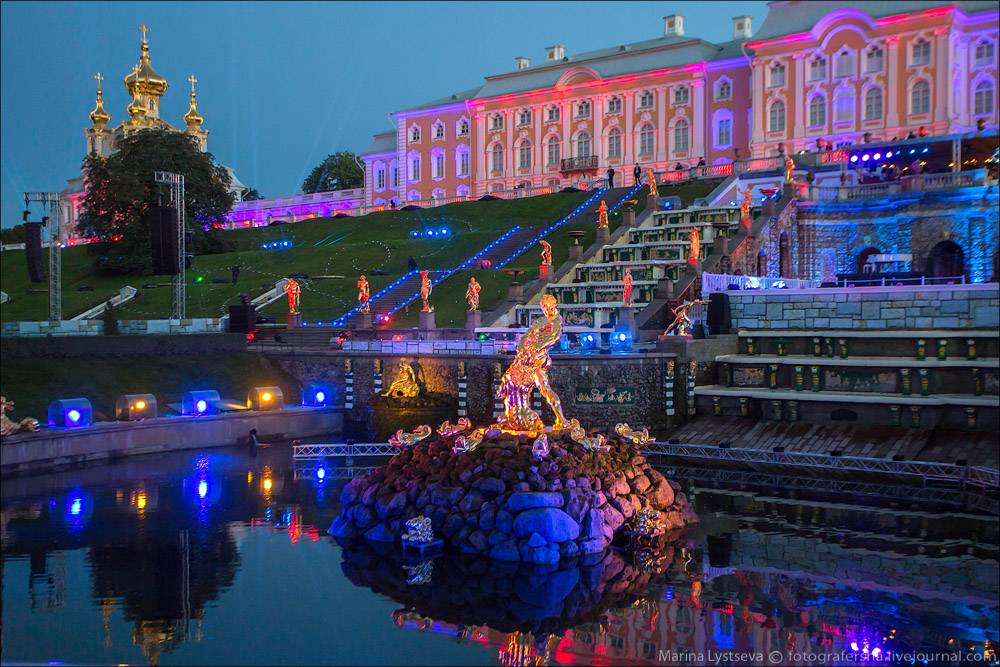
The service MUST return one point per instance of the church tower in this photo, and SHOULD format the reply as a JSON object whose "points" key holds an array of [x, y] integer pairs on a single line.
{"points": [[99, 138], [193, 119]]}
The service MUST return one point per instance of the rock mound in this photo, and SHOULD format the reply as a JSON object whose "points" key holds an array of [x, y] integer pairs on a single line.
{"points": [[500, 501]]}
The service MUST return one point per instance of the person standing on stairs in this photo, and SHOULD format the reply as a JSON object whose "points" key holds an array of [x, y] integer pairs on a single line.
{"points": [[637, 173], [611, 177]]}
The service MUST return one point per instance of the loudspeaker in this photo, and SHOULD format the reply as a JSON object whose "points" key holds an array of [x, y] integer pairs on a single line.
{"points": [[718, 313], [242, 318], [163, 240], [33, 251]]}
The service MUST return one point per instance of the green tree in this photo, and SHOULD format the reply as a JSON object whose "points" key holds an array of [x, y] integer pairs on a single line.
{"points": [[339, 171], [120, 189]]}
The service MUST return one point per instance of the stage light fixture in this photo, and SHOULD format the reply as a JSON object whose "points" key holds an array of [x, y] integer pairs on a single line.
{"points": [[266, 398], [316, 396], [131, 407], [71, 413], [200, 402]]}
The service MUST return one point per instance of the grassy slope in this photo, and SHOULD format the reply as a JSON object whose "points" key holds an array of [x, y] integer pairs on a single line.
{"points": [[33, 383], [449, 296], [341, 246]]}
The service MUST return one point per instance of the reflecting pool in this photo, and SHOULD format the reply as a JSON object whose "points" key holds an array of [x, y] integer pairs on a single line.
{"points": [[223, 558]]}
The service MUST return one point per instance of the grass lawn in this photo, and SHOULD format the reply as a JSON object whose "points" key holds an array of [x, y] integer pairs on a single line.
{"points": [[33, 383], [344, 247]]}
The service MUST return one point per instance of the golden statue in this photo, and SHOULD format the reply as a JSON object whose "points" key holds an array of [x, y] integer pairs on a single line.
{"points": [[426, 287], [530, 370], [602, 215], [364, 296], [745, 207], [472, 294], [694, 238], [293, 292], [682, 323], [402, 439], [635, 437], [652, 183], [789, 170], [405, 385], [627, 288], [9, 426], [447, 429], [546, 253]]}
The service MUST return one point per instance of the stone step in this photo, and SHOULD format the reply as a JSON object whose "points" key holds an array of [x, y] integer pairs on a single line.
{"points": [[860, 361], [876, 398]]}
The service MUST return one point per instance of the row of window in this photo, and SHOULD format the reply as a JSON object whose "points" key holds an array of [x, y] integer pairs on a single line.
{"points": [[843, 105], [582, 108], [920, 54], [437, 130]]}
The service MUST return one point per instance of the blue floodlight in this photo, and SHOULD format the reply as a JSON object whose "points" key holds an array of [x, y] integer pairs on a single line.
{"points": [[321, 473], [877, 156], [71, 413], [200, 402], [588, 341], [865, 157], [854, 158], [316, 396]]}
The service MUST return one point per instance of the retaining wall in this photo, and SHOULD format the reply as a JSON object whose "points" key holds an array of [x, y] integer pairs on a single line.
{"points": [[125, 327]]}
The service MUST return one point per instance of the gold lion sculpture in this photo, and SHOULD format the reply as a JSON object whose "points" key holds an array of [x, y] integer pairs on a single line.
{"points": [[9, 426], [405, 385]]}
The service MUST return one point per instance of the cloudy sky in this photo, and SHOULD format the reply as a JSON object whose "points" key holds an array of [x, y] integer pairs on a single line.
{"points": [[281, 85]]}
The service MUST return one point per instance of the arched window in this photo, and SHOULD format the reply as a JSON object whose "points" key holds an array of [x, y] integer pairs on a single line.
{"points": [[843, 106], [379, 177], [462, 191], [984, 53], [817, 68], [681, 95], [921, 52], [437, 131], [776, 117], [462, 160], [393, 174], [681, 136], [413, 195], [873, 104], [817, 111], [583, 145], [615, 104], [463, 127], [553, 150], [415, 167], [437, 193], [414, 134], [777, 76], [843, 66], [496, 157], [524, 155], [920, 97], [524, 117], [873, 60], [614, 144], [982, 103], [724, 90], [646, 100], [552, 113], [647, 138]]}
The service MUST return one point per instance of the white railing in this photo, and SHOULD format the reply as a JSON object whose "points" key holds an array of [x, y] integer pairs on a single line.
{"points": [[720, 282], [905, 184], [124, 295]]}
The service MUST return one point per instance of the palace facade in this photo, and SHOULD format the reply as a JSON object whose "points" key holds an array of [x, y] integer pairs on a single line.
{"points": [[834, 71]]}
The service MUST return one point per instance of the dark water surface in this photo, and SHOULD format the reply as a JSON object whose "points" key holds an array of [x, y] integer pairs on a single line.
{"points": [[223, 558]]}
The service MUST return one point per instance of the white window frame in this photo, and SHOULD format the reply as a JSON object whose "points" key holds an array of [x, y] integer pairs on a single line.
{"points": [[437, 131], [414, 134], [647, 100], [380, 172], [682, 95], [817, 68], [988, 94], [614, 104], [843, 64], [552, 114], [871, 95], [682, 142], [723, 84], [771, 125], [843, 106], [524, 155], [875, 54], [463, 127], [583, 138], [496, 122], [437, 164], [923, 84], [553, 145], [822, 107], [524, 118], [413, 164], [647, 140], [583, 109], [723, 132], [986, 58], [775, 81], [614, 144], [925, 52], [496, 158], [462, 161]]}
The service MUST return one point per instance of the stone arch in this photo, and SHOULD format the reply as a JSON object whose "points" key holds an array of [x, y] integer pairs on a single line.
{"points": [[862, 258], [945, 260]]}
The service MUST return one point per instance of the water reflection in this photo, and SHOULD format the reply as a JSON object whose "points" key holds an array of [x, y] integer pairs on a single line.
{"points": [[152, 556]]}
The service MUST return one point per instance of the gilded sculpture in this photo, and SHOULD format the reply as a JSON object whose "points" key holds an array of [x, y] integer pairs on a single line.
{"points": [[694, 241], [681, 325], [364, 296], [8, 426], [652, 183], [472, 294], [745, 218], [293, 292], [627, 288], [529, 370], [448, 430], [546, 253], [789, 170], [405, 385], [426, 287], [602, 215], [403, 439]]}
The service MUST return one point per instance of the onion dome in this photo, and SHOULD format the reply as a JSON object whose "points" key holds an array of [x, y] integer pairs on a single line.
{"points": [[99, 117], [144, 79], [192, 117]]}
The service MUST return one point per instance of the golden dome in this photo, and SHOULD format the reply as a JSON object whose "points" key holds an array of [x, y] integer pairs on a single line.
{"points": [[144, 79], [192, 117], [99, 117]]}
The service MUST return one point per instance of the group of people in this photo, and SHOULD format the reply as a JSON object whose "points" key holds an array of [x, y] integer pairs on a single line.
{"points": [[637, 172]]}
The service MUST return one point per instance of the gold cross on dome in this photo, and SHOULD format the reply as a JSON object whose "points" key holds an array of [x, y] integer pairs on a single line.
{"points": [[143, 29], [193, 81], [99, 78]]}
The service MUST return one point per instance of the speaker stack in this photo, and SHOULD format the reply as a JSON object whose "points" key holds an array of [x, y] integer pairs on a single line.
{"points": [[33, 251], [718, 314], [242, 318], [163, 240]]}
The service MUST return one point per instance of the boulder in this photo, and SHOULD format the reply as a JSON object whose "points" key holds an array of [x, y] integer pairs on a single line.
{"points": [[536, 540], [551, 523], [505, 551], [379, 533], [518, 502], [491, 487], [479, 540], [471, 502], [640, 483], [452, 524], [505, 521], [593, 525]]}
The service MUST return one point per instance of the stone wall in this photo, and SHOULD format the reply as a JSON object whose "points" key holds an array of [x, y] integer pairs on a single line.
{"points": [[640, 385], [96, 327], [914, 307], [120, 346]]}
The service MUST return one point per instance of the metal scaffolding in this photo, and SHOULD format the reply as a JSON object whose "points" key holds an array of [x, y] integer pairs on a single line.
{"points": [[52, 201], [319, 451], [176, 183]]}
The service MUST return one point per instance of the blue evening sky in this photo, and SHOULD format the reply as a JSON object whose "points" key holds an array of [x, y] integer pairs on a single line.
{"points": [[281, 85]]}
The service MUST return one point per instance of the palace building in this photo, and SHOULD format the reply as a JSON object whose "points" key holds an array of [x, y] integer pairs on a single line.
{"points": [[145, 86], [833, 71]]}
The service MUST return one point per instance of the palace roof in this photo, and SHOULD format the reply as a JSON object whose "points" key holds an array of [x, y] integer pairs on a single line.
{"points": [[384, 142]]}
